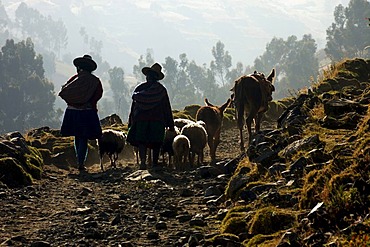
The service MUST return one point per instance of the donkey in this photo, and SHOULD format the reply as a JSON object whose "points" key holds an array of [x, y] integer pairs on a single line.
{"points": [[212, 116], [250, 95]]}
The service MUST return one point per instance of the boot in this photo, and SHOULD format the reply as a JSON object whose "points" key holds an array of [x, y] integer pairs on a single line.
{"points": [[82, 168], [142, 166]]}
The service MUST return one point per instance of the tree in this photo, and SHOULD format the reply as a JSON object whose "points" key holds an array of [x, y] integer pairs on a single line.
{"points": [[275, 53], [49, 63], [96, 45], [233, 74], [205, 83], [149, 61], [84, 36], [220, 66], [294, 60], [188, 94], [211, 87], [48, 34], [198, 75], [58, 33], [103, 66], [120, 90], [26, 96], [170, 80], [179, 81], [348, 36], [4, 22], [301, 65]]}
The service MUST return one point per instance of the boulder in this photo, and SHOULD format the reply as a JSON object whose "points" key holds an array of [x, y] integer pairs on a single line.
{"points": [[19, 162]]}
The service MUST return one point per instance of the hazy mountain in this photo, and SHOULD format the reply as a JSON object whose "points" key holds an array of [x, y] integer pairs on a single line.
{"points": [[128, 28]]}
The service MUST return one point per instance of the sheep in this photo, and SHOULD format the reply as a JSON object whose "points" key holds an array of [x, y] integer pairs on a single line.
{"points": [[181, 149], [212, 116], [197, 135], [167, 144], [181, 122], [112, 143]]}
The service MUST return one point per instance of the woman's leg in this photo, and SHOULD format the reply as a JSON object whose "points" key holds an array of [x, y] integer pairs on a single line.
{"points": [[81, 150], [142, 154], [155, 155]]}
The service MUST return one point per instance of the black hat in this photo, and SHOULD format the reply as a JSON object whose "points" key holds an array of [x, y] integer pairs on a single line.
{"points": [[85, 62], [157, 68]]}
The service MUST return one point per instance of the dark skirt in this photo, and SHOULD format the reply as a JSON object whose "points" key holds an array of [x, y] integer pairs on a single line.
{"points": [[148, 133], [81, 123]]}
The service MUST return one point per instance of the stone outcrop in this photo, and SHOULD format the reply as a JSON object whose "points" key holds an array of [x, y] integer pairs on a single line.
{"points": [[20, 163], [307, 167]]}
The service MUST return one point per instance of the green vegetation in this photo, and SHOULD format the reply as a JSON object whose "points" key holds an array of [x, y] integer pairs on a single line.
{"points": [[263, 240], [340, 183], [348, 36], [26, 96], [269, 220], [13, 173]]}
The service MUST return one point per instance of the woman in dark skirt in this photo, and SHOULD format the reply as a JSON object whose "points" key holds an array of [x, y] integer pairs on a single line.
{"points": [[82, 93], [150, 114]]}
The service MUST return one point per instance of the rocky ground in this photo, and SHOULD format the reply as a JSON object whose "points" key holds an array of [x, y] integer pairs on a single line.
{"points": [[119, 207], [305, 183]]}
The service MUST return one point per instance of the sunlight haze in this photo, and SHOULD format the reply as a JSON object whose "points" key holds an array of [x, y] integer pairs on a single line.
{"points": [[170, 28]]}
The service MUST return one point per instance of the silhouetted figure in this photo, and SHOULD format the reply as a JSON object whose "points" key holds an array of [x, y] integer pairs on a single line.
{"points": [[82, 93], [150, 114]]}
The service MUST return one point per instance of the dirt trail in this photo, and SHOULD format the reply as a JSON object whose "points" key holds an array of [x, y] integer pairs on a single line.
{"points": [[65, 208]]}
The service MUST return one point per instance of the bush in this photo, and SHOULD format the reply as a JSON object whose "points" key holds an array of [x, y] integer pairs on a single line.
{"points": [[269, 220]]}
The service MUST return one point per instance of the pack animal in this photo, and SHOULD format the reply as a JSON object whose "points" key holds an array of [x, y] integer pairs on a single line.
{"points": [[212, 116], [112, 143], [251, 94]]}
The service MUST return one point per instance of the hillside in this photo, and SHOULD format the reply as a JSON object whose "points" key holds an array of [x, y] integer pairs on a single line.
{"points": [[128, 28], [303, 181]]}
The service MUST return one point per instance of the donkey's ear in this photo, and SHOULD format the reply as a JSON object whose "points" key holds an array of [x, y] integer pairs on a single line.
{"points": [[207, 102], [271, 76], [232, 96], [225, 105]]}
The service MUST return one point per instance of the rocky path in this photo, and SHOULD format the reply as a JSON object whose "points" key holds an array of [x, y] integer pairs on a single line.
{"points": [[118, 207]]}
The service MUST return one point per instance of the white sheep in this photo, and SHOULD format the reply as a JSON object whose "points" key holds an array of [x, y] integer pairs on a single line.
{"points": [[197, 135], [181, 149], [112, 143], [181, 122]]}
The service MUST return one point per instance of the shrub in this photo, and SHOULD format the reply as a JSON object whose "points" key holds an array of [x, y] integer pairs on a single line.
{"points": [[270, 220], [263, 240], [235, 224]]}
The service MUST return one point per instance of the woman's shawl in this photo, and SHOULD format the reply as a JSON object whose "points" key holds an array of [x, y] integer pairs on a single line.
{"points": [[79, 89], [148, 95]]}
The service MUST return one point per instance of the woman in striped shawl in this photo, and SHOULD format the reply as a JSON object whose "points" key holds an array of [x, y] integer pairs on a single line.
{"points": [[150, 114], [82, 93]]}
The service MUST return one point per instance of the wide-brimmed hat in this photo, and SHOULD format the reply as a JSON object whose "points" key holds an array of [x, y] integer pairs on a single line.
{"points": [[86, 62], [157, 68]]}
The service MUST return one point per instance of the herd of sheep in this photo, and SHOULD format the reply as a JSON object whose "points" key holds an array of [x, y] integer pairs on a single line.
{"points": [[251, 95], [189, 138]]}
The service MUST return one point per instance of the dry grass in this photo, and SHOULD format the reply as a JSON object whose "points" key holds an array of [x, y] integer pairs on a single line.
{"points": [[330, 137], [331, 71]]}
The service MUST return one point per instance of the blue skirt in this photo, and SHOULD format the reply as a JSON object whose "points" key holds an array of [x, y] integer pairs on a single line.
{"points": [[81, 123]]}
